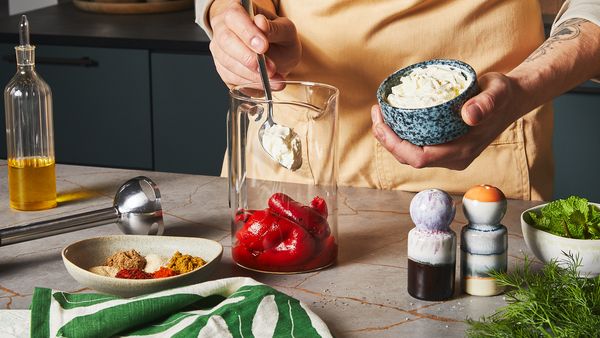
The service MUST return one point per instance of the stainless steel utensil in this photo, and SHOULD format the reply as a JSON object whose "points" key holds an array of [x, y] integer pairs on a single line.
{"points": [[264, 77], [136, 210]]}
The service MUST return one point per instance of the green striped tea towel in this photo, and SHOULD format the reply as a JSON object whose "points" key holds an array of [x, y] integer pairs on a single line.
{"points": [[233, 307]]}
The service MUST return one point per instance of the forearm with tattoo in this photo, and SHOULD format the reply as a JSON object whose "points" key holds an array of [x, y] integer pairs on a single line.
{"points": [[570, 56], [568, 30]]}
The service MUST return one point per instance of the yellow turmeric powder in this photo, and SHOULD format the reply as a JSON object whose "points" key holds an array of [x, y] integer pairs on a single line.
{"points": [[184, 263]]}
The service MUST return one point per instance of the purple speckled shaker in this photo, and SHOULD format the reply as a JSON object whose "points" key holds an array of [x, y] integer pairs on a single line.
{"points": [[431, 246]]}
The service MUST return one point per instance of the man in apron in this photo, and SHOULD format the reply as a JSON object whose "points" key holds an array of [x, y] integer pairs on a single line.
{"points": [[354, 45]]}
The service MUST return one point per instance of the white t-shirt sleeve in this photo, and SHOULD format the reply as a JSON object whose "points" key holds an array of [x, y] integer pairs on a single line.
{"points": [[202, 7], [584, 9]]}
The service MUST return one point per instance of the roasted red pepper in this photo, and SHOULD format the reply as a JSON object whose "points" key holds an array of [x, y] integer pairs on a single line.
{"points": [[313, 218], [325, 255], [267, 240], [286, 237], [320, 206]]}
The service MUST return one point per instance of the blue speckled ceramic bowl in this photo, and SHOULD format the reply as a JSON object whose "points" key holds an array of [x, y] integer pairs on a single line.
{"points": [[430, 125]]}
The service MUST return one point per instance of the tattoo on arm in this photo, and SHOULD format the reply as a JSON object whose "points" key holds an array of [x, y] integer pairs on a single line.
{"points": [[567, 30]]}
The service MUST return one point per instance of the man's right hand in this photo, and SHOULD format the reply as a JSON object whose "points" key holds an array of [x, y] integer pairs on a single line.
{"points": [[237, 38]]}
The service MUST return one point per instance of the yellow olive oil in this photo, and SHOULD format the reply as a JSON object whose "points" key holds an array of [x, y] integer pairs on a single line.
{"points": [[32, 183]]}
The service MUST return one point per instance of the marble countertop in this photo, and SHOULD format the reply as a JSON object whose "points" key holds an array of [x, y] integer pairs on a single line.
{"points": [[363, 295]]}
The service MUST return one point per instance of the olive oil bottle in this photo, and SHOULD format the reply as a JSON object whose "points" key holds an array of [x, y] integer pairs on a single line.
{"points": [[29, 132]]}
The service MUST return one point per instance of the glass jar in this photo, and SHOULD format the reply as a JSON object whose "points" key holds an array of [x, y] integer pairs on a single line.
{"points": [[284, 220]]}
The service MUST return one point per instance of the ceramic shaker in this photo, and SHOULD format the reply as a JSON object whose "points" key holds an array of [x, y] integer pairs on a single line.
{"points": [[431, 246], [484, 241]]}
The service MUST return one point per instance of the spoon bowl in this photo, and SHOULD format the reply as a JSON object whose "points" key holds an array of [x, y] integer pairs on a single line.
{"points": [[297, 162], [269, 123]]}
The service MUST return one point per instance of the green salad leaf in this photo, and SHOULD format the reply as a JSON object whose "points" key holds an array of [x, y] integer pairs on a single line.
{"points": [[573, 217], [554, 302]]}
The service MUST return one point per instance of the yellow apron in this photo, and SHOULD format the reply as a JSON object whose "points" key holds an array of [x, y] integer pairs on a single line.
{"points": [[355, 44]]}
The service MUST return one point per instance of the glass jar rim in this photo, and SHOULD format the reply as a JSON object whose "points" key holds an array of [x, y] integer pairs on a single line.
{"points": [[233, 92]]}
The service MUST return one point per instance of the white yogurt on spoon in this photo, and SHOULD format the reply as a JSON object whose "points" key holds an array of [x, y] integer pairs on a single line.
{"points": [[283, 145]]}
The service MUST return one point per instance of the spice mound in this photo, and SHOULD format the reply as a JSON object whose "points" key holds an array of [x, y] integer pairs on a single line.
{"points": [[103, 270], [184, 263], [133, 274], [126, 260], [131, 264]]}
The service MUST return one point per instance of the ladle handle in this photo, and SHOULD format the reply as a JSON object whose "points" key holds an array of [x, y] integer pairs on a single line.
{"points": [[57, 226]]}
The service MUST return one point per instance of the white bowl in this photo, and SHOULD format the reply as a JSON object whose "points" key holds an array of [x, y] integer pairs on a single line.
{"points": [[546, 246], [80, 256]]}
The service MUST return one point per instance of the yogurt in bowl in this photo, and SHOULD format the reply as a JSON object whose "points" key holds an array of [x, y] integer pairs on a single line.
{"points": [[422, 102], [428, 86]]}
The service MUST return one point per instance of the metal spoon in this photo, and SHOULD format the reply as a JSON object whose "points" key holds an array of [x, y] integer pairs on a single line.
{"points": [[269, 123], [136, 210]]}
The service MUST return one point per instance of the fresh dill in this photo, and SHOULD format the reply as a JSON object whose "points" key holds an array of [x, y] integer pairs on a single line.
{"points": [[554, 302]]}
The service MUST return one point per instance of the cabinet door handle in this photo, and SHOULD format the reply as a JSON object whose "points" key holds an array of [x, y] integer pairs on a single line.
{"points": [[83, 61]]}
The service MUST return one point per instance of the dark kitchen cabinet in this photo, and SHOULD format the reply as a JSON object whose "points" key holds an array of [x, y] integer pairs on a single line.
{"points": [[131, 108], [7, 70], [576, 144], [189, 104], [101, 104]]}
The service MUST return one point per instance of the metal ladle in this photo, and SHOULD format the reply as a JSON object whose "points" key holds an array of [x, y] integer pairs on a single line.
{"points": [[136, 210], [269, 123]]}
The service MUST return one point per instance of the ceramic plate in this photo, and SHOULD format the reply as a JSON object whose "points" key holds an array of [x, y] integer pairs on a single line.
{"points": [[80, 256]]}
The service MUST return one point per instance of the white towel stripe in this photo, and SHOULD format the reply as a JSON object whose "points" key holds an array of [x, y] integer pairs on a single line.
{"points": [[215, 327], [291, 318], [266, 317]]}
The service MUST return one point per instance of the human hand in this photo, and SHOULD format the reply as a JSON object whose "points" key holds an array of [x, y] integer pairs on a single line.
{"points": [[237, 38], [489, 113]]}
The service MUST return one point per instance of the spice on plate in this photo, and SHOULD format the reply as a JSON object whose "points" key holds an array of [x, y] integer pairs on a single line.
{"points": [[131, 265], [164, 272], [103, 270], [154, 262], [130, 259], [184, 263], [133, 274]]}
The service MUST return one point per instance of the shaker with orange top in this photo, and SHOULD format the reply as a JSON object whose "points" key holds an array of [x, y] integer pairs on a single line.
{"points": [[29, 132], [484, 241]]}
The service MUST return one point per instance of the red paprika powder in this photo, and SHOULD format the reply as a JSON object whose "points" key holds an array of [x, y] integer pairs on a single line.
{"points": [[163, 272], [133, 274]]}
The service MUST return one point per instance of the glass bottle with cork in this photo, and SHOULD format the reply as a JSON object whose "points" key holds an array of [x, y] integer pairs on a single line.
{"points": [[29, 132]]}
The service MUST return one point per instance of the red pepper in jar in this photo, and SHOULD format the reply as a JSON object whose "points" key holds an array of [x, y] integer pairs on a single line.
{"points": [[268, 240], [320, 206], [313, 218], [325, 254]]}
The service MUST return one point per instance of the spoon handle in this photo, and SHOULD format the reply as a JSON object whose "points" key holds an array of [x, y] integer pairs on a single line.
{"points": [[57, 226], [264, 77], [262, 64]]}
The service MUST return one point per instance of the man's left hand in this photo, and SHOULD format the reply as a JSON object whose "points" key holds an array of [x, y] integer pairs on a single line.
{"points": [[489, 113]]}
